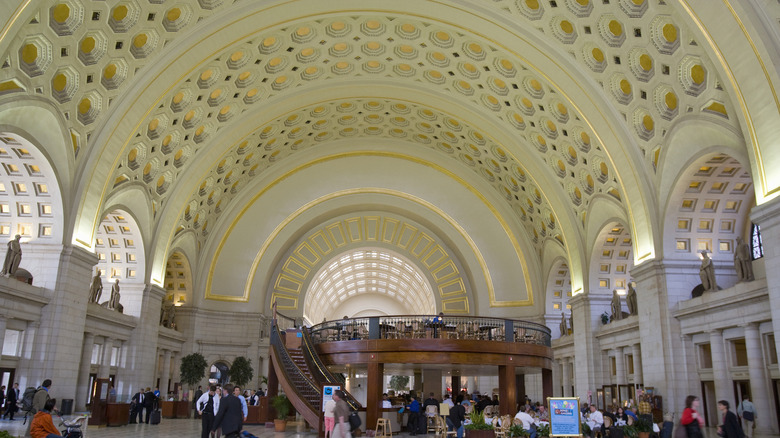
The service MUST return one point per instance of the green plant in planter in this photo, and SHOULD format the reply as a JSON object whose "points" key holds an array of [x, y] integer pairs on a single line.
{"points": [[585, 429], [241, 371], [517, 431], [543, 430], [477, 422], [5, 434], [642, 425], [281, 405], [193, 369], [630, 432]]}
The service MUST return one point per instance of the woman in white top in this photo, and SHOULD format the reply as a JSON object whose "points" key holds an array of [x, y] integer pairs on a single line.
{"points": [[330, 420]]}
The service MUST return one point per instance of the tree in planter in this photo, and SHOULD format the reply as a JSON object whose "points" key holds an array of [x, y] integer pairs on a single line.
{"points": [[192, 369], [399, 383], [241, 371], [478, 427], [281, 405], [543, 430]]}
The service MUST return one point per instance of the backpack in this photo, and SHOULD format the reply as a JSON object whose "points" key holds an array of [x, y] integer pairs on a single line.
{"points": [[27, 398]]}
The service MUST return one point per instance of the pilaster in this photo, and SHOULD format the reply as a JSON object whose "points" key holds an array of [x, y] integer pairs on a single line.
{"points": [[82, 390], [767, 216], [166, 372], [59, 340], [636, 354], [585, 344], [142, 348], [105, 363], [566, 377], [660, 286], [720, 366]]}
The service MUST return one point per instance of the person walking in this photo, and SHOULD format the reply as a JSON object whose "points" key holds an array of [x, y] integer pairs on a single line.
{"points": [[230, 416], [729, 427], [691, 420], [11, 400], [747, 411], [207, 406], [341, 416]]}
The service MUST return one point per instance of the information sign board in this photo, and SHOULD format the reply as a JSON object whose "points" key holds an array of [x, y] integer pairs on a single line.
{"points": [[564, 416]]}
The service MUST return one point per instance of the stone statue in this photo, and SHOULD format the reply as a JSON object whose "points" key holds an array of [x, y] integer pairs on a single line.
{"points": [[96, 288], [571, 323], [631, 300], [707, 273], [742, 261], [12, 257], [166, 317], [113, 302], [564, 327], [617, 307]]}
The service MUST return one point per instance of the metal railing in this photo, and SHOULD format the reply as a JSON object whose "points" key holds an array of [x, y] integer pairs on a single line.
{"points": [[431, 327]]}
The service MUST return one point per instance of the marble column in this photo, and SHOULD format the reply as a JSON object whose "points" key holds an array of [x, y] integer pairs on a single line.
{"points": [[105, 362], [166, 372], [637, 356], [620, 367], [720, 366], [557, 379], [566, 376], [767, 216], [758, 380], [3, 323], [585, 311], [142, 347], [82, 390]]}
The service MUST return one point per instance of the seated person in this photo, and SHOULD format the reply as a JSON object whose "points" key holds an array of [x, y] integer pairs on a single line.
{"points": [[595, 420], [621, 417], [42, 425], [524, 417], [439, 319], [386, 403], [542, 413], [631, 413]]}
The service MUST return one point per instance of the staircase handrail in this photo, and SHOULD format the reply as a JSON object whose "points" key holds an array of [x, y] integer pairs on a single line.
{"points": [[289, 365], [324, 374]]}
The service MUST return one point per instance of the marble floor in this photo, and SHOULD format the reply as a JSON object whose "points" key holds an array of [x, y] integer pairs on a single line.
{"points": [[191, 428]]}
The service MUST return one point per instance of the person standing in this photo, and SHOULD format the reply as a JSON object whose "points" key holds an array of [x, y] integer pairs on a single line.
{"points": [[729, 428], [11, 399], [195, 398], [39, 400], [207, 406], [341, 416], [747, 411], [230, 415], [329, 417], [149, 400], [691, 420], [137, 411]]}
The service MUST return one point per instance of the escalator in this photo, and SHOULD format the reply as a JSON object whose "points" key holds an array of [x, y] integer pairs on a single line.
{"points": [[301, 375]]}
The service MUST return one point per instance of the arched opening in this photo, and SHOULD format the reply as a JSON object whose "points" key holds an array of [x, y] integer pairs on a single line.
{"points": [[610, 267], [120, 252], [178, 288], [557, 296], [30, 206], [219, 373], [368, 282]]}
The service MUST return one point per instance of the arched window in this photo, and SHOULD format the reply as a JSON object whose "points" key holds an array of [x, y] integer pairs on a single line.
{"points": [[756, 245]]}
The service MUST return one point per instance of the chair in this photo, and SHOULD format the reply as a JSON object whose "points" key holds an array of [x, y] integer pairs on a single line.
{"points": [[498, 334], [383, 428], [441, 428], [630, 421], [488, 412], [431, 413]]}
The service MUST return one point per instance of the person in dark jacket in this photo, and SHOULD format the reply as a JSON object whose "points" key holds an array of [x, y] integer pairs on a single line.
{"points": [[149, 401], [730, 427], [230, 416], [457, 416], [11, 398]]}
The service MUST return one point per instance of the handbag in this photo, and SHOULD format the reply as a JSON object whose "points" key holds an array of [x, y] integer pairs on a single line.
{"points": [[748, 415]]}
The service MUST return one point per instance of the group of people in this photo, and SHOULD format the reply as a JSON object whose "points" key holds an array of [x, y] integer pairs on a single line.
{"points": [[223, 411], [143, 400], [9, 401], [336, 417], [729, 425]]}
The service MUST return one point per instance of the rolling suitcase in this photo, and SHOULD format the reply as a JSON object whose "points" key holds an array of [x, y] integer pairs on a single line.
{"points": [[155, 418]]}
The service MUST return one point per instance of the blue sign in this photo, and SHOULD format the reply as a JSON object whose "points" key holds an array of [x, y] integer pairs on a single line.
{"points": [[327, 394], [564, 416]]}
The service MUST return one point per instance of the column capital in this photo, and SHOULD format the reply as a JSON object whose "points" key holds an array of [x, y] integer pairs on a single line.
{"points": [[715, 332], [753, 325]]}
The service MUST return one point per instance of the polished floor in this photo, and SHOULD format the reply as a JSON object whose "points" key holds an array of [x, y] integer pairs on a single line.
{"points": [[191, 428]]}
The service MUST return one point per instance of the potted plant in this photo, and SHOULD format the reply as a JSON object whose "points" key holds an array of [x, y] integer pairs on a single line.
{"points": [[517, 431], [585, 429], [543, 430], [629, 432], [281, 405], [477, 428], [643, 427]]}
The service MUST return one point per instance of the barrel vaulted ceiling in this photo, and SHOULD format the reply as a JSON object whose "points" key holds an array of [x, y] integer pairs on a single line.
{"points": [[556, 105]]}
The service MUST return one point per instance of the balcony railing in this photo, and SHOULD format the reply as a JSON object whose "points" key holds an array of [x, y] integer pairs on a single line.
{"points": [[431, 327]]}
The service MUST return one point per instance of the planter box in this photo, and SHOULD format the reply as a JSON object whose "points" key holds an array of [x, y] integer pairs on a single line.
{"points": [[473, 433]]}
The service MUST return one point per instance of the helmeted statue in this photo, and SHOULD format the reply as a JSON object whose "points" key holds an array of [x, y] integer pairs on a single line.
{"points": [[633, 309], [707, 273], [617, 307], [743, 262], [96, 287], [12, 257]]}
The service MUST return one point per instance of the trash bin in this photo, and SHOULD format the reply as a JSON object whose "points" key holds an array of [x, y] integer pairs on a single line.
{"points": [[66, 406]]}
